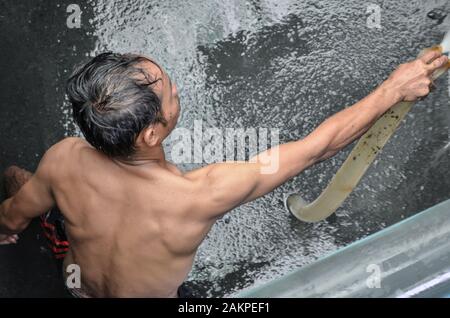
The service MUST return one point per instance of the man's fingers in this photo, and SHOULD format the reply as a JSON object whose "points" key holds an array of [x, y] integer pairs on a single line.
{"points": [[10, 240], [7, 241], [430, 56], [437, 63]]}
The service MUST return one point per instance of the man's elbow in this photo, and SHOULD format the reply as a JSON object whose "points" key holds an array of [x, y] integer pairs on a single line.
{"points": [[12, 225]]}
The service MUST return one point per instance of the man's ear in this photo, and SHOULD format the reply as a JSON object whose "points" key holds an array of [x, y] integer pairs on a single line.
{"points": [[150, 136]]}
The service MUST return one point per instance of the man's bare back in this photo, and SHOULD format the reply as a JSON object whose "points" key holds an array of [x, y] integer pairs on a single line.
{"points": [[134, 222], [126, 224]]}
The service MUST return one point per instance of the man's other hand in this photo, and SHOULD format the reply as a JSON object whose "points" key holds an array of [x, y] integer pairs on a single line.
{"points": [[8, 239]]}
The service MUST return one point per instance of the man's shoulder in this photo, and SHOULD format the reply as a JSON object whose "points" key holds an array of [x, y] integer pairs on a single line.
{"points": [[61, 157], [71, 141], [66, 145], [56, 157], [64, 149]]}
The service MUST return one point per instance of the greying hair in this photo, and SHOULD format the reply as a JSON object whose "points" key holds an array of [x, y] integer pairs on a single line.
{"points": [[113, 101]]}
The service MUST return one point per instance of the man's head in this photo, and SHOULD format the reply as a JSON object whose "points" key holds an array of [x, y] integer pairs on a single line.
{"points": [[123, 103]]}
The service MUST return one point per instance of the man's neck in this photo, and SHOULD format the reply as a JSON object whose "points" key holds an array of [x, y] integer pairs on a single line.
{"points": [[145, 157]]}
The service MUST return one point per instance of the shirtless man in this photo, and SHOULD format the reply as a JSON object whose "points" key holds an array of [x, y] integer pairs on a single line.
{"points": [[133, 220]]}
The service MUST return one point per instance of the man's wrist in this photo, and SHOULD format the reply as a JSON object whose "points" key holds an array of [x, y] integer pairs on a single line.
{"points": [[386, 96], [390, 92]]}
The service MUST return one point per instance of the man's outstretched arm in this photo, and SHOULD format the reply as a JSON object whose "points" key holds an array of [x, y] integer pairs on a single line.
{"points": [[223, 186], [33, 199]]}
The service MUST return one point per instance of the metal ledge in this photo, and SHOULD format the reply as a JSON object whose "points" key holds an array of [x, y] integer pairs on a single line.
{"points": [[408, 259]]}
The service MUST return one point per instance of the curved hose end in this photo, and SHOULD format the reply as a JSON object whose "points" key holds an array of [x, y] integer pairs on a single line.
{"points": [[295, 204]]}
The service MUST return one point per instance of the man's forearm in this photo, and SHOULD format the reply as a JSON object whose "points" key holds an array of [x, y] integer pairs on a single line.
{"points": [[328, 138], [237, 184], [349, 124]]}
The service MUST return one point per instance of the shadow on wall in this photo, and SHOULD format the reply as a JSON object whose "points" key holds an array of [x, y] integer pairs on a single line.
{"points": [[38, 51]]}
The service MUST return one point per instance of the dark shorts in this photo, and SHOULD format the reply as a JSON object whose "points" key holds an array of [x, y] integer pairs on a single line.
{"points": [[52, 224]]}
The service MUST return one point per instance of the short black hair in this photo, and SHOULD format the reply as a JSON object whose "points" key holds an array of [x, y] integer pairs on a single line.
{"points": [[113, 101]]}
